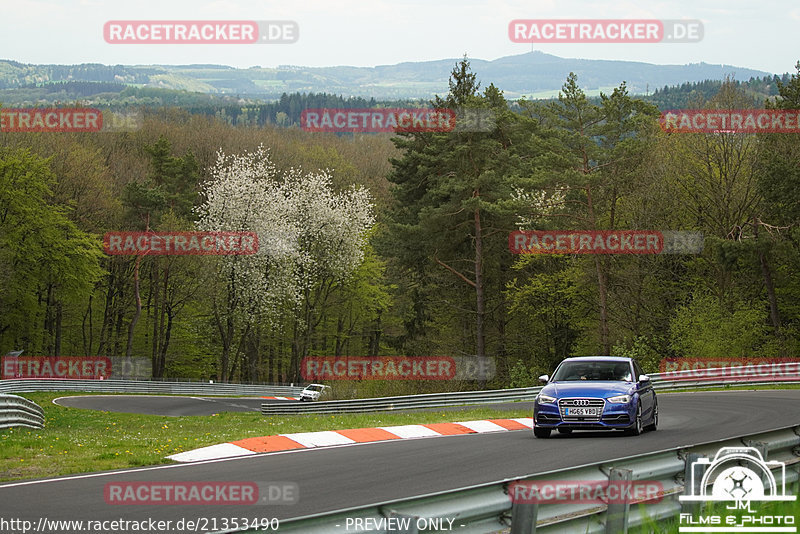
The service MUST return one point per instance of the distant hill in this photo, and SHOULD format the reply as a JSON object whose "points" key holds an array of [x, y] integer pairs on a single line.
{"points": [[534, 74]]}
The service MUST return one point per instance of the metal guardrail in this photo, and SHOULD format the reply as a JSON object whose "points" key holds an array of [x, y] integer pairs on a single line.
{"points": [[661, 381], [488, 508], [142, 386], [716, 383], [17, 411], [427, 400]]}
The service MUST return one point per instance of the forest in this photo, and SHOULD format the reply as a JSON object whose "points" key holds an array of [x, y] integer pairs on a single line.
{"points": [[397, 245]]}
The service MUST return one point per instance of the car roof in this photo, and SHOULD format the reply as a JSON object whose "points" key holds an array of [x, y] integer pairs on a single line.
{"points": [[320, 385]]}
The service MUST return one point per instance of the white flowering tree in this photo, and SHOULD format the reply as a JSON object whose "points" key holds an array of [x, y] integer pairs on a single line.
{"points": [[310, 239], [538, 204]]}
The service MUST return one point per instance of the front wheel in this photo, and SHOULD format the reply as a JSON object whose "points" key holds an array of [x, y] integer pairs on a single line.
{"points": [[654, 425], [540, 432], [636, 429]]}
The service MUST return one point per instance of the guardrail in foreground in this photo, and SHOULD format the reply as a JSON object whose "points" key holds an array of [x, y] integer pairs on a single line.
{"points": [[661, 381], [17, 411], [487, 508], [141, 386]]}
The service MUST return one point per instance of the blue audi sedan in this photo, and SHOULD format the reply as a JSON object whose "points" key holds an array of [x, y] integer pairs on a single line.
{"points": [[595, 393]]}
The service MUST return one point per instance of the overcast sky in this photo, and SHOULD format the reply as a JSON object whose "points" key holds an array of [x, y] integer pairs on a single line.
{"points": [[756, 34]]}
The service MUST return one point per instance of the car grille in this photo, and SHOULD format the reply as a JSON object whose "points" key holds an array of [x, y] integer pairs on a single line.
{"points": [[563, 404]]}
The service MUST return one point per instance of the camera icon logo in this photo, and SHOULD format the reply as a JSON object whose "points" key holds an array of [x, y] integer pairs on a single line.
{"points": [[737, 474]]}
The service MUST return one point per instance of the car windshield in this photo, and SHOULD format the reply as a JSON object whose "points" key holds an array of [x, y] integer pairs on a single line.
{"points": [[593, 370], [314, 388]]}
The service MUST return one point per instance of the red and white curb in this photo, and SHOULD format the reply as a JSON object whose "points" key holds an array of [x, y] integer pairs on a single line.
{"points": [[281, 398], [310, 440]]}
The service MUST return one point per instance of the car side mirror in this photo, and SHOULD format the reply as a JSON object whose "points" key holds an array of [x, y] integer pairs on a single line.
{"points": [[544, 378], [644, 378]]}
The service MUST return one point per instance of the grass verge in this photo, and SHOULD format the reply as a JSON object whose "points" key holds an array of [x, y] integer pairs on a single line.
{"points": [[75, 440]]}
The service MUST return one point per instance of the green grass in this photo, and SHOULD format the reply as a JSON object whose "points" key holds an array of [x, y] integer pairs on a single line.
{"points": [[75, 440]]}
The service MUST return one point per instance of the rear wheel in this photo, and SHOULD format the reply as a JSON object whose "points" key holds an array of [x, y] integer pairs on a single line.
{"points": [[565, 431], [540, 432], [636, 429], [654, 424]]}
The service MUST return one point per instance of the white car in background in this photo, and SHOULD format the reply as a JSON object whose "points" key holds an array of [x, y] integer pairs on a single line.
{"points": [[313, 392]]}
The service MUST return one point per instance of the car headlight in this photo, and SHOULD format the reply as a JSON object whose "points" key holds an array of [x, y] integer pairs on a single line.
{"points": [[545, 399], [620, 399]]}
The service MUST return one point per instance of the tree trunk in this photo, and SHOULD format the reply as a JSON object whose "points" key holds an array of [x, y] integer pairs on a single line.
{"points": [[225, 334], [132, 326], [87, 344], [297, 350], [59, 315], [774, 316], [480, 348], [773, 301], [162, 359], [375, 337], [47, 331], [168, 313], [605, 343], [339, 330], [602, 286], [119, 310], [271, 378], [154, 312], [106, 326]]}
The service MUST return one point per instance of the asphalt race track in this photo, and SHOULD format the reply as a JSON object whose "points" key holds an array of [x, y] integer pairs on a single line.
{"points": [[165, 405], [341, 477]]}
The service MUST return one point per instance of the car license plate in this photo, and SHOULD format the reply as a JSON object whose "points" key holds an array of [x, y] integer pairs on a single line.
{"points": [[581, 411]]}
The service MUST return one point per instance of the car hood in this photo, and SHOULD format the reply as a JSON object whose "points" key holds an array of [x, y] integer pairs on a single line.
{"points": [[585, 388]]}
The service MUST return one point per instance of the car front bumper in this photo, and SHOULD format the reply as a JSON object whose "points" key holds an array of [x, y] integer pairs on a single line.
{"points": [[614, 416]]}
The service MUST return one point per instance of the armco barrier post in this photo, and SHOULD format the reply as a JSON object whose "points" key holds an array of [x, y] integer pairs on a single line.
{"points": [[796, 467], [524, 517], [763, 449], [692, 478], [617, 512]]}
